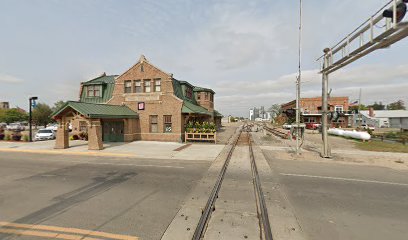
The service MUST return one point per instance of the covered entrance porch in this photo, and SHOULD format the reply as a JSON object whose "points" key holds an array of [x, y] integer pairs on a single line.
{"points": [[101, 122]]}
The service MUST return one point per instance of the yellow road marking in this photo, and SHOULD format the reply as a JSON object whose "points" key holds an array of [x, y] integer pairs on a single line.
{"points": [[46, 234], [67, 230]]}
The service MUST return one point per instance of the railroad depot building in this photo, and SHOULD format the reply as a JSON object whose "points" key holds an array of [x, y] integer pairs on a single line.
{"points": [[144, 103], [311, 110]]}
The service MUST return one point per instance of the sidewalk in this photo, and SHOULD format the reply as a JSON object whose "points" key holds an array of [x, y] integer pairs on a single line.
{"points": [[141, 149]]}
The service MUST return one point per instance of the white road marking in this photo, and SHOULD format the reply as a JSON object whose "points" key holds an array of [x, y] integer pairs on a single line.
{"points": [[343, 179]]}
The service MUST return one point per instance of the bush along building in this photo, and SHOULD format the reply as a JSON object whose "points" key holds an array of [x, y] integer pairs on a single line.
{"points": [[144, 103]]}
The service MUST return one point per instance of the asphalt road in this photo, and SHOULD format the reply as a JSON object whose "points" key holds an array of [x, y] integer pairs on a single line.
{"points": [[133, 197], [336, 201]]}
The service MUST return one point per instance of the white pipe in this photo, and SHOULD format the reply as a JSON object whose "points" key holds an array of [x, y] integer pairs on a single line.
{"points": [[351, 134]]}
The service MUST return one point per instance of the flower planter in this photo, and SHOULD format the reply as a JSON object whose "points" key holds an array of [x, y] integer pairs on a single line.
{"points": [[16, 137], [189, 136]]}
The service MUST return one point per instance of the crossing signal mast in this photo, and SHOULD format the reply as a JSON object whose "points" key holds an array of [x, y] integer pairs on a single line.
{"points": [[381, 30]]}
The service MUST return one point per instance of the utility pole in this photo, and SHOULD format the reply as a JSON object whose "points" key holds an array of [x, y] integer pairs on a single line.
{"points": [[325, 100], [30, 117], [298, 82], [359, 110]]}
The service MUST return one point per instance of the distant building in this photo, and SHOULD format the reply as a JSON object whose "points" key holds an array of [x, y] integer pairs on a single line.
{"points": [[311, 110], [4, 105], [259, 114], [385, 118]]}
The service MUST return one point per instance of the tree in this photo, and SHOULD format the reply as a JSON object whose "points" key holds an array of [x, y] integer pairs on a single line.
{"points": [[42, 114], [377, 106], [13, 115], [58, 105], [276, 110], [357, 107], [398, 105]]}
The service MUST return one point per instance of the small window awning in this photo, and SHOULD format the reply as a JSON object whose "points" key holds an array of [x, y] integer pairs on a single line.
{"points": [[93, 110], [191, 108]]}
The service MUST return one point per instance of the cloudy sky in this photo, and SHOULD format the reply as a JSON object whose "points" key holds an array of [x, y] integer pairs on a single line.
{"points": [[245, 50]]}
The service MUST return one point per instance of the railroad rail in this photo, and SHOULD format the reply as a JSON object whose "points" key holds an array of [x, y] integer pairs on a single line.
{"points": [[262, 211], [276, 132]]}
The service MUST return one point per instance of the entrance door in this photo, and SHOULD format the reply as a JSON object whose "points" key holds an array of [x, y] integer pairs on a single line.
{"points": [[113, 131]]}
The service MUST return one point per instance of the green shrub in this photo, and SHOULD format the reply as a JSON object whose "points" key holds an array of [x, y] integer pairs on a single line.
{"points": [[26, 138], [8, 137]]}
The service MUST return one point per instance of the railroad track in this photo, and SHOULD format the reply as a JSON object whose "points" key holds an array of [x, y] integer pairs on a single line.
{"points": [[276, 132], [243, 138]]}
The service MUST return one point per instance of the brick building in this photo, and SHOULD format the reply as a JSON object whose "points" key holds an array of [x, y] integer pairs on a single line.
{"points": [[311, 110], [144, 103]]}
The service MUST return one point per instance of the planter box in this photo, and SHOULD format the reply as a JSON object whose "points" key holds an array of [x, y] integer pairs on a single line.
{"points": [[201, 137]]}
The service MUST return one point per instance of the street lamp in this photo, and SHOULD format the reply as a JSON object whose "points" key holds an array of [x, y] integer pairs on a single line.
{"points": [[31, 101]]}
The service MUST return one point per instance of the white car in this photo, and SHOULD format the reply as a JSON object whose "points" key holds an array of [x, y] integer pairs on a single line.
{"points": [[53, 127], [44, 134], [15, 127], [286, 126]]}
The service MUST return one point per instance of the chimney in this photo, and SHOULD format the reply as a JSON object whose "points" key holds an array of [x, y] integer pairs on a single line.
{"points": [[371, 112]]}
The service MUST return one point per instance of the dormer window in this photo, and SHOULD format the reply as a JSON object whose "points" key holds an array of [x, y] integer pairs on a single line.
{"points": [[94, 91], [189, 92]]}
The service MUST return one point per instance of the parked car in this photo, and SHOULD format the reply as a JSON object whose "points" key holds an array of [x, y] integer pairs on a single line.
{"points": [[3, 125], [44, 134], [15, 127], [287, 126], [53, 127], [313, 125], [368, 126]]}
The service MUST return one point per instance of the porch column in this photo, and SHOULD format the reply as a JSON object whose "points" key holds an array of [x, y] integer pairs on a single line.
{"points": [[95, 135], [62, 138]]}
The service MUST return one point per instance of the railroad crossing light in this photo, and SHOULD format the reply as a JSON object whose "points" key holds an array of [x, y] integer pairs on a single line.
{"points": [[401, 11]]}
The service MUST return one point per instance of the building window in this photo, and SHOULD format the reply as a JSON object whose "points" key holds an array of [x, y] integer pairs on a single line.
{"points": [[338, 108], [83, 127], [198, 96], [153, 124], [94, 91], [128, 86], [146, 85], [211, 97], [167, 123], [138, 86], [189, 92], [157, 85], [206, 96]]}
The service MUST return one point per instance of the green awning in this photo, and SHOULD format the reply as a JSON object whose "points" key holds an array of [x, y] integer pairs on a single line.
{"points": [[217, 114], [189, 107], [92, 110]]}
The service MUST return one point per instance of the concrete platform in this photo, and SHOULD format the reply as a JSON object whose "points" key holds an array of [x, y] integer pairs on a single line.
{"points": [[140, 149]]}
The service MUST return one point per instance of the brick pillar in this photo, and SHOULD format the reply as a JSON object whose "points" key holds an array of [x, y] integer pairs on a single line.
{"points": [[95, 135], [62, 138]]}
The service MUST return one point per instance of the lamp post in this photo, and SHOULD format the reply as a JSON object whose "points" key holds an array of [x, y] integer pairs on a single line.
{"points": [[31, 100]]}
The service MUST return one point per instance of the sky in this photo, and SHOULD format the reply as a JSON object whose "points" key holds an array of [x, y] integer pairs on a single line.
{"points": [[246, 51]]}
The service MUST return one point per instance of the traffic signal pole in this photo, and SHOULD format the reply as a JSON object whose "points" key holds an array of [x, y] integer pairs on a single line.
{"points": [[325, 102], [355, 46]]}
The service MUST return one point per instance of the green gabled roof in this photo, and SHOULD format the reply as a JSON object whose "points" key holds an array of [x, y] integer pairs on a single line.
{"points": [[108, 84], [101, 79], [201, 89], [217, 114], [92, 110], [189, 107]]}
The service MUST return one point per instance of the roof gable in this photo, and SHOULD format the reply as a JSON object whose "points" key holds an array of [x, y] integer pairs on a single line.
{"points": [[142, 63]]}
